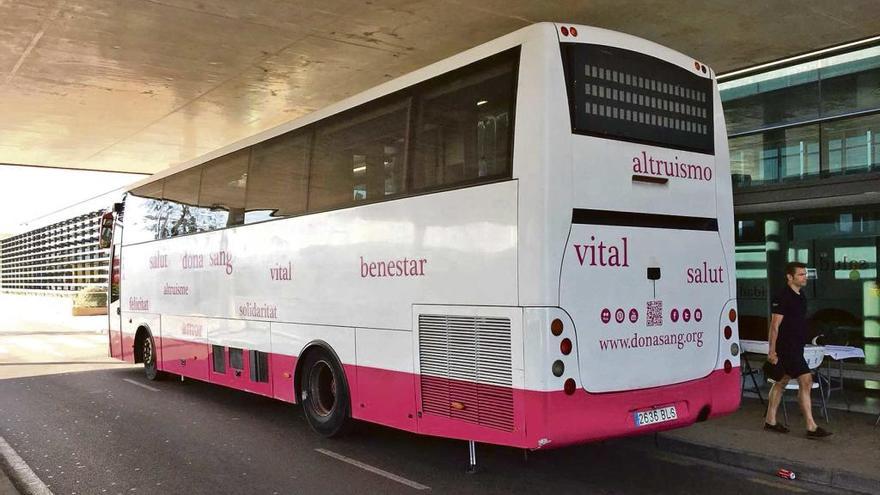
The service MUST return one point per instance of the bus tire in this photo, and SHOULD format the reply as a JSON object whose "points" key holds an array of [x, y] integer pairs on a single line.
{"points": [[326, 401], [148, 352]]}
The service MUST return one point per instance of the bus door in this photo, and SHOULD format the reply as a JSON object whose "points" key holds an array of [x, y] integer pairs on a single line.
{"points": [[109, 238]]}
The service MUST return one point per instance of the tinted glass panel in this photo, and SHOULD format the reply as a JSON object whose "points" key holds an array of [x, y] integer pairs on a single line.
{"points": [[621, 94], [359, 156], [278, 178], [223, 187], [852, 145], [145, 213], [788, 104], [259, 364], [463, 135], [235, 359], [465, 123], [181, 193], [218, 352], [782, 154]]}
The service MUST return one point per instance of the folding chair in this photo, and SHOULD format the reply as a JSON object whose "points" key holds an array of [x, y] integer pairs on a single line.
{"points": [[748, 372], [817, 384]]}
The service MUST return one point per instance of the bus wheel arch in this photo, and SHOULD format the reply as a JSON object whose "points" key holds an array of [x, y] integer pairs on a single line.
{"points": [[322, 389]]}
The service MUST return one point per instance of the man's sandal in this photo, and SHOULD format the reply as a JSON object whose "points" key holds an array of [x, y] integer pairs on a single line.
{"points": [[777, 428]]}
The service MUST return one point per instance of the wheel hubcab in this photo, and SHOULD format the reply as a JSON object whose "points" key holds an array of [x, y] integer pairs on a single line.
{"points": [[148, 352], [322, 388]]}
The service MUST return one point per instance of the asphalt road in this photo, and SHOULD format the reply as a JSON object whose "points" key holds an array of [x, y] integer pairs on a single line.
{"points": [[102, 431]]}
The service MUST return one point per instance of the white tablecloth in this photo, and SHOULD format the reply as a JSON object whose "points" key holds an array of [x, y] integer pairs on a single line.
{"points": [[838, 352], [812, 353]]}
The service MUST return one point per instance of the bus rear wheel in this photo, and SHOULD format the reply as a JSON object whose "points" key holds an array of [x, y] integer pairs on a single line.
{"points": [[325, 398]]}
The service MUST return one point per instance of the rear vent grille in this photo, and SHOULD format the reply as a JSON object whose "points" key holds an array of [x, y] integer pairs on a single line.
{"points": [[466, 370]]}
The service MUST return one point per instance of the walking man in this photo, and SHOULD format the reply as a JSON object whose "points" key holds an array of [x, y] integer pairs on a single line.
{"points": [[788, 335]]}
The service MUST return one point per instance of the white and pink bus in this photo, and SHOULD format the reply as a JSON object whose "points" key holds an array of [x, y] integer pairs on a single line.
{"points": [[527, 244]]}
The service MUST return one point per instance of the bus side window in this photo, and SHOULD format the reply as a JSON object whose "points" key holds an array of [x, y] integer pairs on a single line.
{"points": [[278, 178], [464, 125], [147, 212], [359, 156], [181, 193], [222, 190]]}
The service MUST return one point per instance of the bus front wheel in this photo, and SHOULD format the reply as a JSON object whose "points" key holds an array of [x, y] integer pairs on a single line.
{"points": [[325, 397], [149, 355]]}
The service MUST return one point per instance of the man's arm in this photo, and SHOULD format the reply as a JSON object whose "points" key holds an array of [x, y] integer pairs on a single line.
{"points": [[775, 321]]}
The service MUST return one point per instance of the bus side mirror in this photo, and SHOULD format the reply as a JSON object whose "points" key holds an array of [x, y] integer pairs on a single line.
{"points": [[105, 236]]}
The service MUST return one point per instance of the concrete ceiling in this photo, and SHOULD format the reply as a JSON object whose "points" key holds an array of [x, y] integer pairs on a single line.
{"points": [[141, 85]]}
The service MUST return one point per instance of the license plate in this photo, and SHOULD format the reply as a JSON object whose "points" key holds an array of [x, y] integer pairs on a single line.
{"points": [[654, 416]]}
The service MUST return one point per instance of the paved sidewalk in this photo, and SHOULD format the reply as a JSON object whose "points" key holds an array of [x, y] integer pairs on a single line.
{"points": [[6, 486], [45, 314], [850, 459], [39, 336]]}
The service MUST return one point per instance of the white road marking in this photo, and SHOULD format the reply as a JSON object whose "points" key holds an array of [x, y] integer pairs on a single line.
{"points": [[776, 484], [374, 470], [20, 470], [139, 384]]}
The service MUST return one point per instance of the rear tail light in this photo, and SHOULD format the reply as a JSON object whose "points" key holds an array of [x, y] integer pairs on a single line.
{"points": [[556, 327], [564, 30], [570, 386], [574, 32], [565, 346], [728, 332], [732, 315], [728, 366]]}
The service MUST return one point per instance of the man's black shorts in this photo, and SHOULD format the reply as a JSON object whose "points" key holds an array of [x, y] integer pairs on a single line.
{"points": [[794, 364]]}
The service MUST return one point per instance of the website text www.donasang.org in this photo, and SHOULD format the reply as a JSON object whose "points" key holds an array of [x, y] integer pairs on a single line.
{"points": [[678, 340]]}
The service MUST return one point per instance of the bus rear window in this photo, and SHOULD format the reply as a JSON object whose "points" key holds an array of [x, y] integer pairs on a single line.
{"points": [[621, 94]]}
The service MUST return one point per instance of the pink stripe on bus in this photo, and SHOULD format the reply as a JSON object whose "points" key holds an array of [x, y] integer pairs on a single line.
{"points": [[535, 419]]}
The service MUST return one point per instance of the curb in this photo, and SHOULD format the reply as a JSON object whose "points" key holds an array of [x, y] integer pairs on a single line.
{"points": [[20, 474], [836, 478]]}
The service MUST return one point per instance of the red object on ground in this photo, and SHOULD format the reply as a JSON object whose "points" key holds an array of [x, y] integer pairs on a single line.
{"points": [[785, 473]]}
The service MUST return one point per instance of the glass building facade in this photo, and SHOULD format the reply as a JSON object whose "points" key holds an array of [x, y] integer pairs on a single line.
{"points": [[805, 157]]}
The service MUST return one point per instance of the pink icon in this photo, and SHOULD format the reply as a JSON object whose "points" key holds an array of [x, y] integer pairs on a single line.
{"points": [[620, 315], [606, 315], [633, 315], [686, 315], [674, 315], [698, 314]]}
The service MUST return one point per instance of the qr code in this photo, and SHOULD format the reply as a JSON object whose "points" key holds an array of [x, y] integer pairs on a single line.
{"points": [[655, 313]]}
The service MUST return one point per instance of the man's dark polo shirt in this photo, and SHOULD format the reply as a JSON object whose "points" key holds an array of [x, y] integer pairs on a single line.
{"points": [[793, 330]]}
